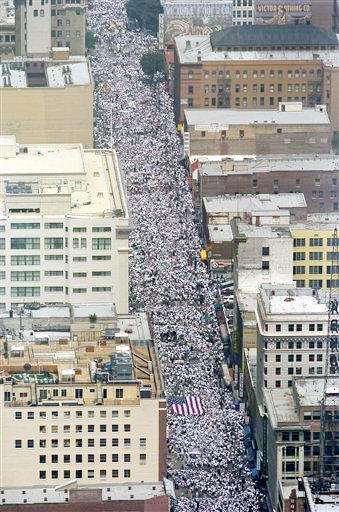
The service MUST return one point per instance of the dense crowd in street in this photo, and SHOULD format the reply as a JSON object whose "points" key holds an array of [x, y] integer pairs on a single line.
{"points": [[134, 115]]}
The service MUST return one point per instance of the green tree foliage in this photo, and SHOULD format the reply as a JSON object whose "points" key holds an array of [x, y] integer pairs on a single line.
{"points": [[153, 62], [90, 40], [146, 13]]}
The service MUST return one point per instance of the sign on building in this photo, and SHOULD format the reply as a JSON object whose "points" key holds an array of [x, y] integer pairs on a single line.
{"points": [[281, 12]]}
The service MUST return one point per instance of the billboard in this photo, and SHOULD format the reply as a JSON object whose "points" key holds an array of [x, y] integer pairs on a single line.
{"points": [[194, 18], [281, 12]]}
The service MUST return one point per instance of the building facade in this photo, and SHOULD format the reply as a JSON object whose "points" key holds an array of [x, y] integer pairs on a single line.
{"points": [[291, 129], [89, 413], [64, 227], [47, 101], [316, 176], [243, 12], [257, 71], [41, 27]]}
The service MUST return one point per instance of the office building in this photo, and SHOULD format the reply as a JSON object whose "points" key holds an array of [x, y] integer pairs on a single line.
{"points": [[315, 264], [317, 176], [258, 67], [82, 409], [64, 226], [184, 17], [42, 26], [290, 129], [47, 101]]}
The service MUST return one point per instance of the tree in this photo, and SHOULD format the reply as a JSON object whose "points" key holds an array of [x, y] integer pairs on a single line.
{"points": [[152, 63], [90, 40]]}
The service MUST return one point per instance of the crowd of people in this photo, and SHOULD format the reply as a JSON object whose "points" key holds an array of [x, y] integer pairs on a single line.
{"points": [[134, 115]]}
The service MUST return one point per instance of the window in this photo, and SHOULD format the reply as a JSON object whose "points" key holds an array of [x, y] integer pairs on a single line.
{"points": [[115, 473], [277, 383], [290, 327], [299, 327], [316, 242], [101, 244], [42, 475], [265, 251], [25, 291], [119, 393], [265, 265], [25, 243], [299, 269], [115, 457], [299, 242], [127, 428], [316, 283], [127, 473], [298, 256], [18, 443], [127, 442], [54, 243], [142, 458], [127, 457]]}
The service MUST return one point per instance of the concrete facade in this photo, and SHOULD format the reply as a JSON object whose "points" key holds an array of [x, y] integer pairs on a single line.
{"points": [[54, 112]]}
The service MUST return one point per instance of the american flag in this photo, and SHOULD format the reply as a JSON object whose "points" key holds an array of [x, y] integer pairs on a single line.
{"points": [[185, 405]]}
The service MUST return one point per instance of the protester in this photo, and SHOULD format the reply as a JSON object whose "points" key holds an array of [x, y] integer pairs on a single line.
{"points": [[207, 459]]}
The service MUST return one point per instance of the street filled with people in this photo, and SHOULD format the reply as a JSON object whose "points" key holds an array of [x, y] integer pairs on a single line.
{"points": [[134, 115]]}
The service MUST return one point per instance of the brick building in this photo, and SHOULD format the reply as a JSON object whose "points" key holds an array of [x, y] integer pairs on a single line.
{"points": [[316, 176], [289, 130], [258, 67]]}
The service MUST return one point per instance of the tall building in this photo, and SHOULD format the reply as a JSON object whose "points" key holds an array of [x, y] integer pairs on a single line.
{"points": [[7, 29], [47, 101], [64, 226], [82, 409], [258, 67], [41, 26]]}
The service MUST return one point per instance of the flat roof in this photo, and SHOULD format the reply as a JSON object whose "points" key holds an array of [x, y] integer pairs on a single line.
{"points": [[310, 391], [281, 407], [74, 71], [289, 300], [219, 119], [270, 163], [251, 203], [251, 231], [90, 178], [201, 46], [218, 233]]}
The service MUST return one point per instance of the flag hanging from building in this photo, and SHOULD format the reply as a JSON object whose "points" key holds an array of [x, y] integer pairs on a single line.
{"points": [[185, 405]]}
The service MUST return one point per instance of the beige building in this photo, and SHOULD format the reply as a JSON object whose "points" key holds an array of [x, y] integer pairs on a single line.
{"points": [[47, 101], [290, 129], [83, 407]]}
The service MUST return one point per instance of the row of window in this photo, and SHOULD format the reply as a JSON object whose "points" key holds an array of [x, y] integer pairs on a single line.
{"points": [[317, 284], [280, 73], [79, 443], [298, 357], [80, 428], [315, 256], [316, 269], [36, 260], [79, 458], [315, 242], [55, 225], [32, 275], [296, 345], [67, 414], [55, 243], [35, 291], [297, 328], [298, 371], [79, 474]]}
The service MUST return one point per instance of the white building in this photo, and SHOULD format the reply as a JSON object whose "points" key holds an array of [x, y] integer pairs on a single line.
{"points": [[292, 328], [64, 226]]}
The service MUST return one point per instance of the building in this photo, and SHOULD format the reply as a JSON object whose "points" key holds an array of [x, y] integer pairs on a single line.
{"points": [[276, 12], [317, 176], [41, 27], [184, 17], [292, 332], [64, 226], [293, 437], [243, 12], [47, 101], [82, 409], [7, 29], [258, 67], [314, 262], [325, 13], [290, 129]]}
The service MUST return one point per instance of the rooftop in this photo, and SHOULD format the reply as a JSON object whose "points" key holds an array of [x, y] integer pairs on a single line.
{"points": [[123, 353], [272, 35], [220, 119], [283, 300], [200, 47], [309, 391], [268, 163], [252, 231], [24, 72], [218, 233], [253, 203], [88, 181]]}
